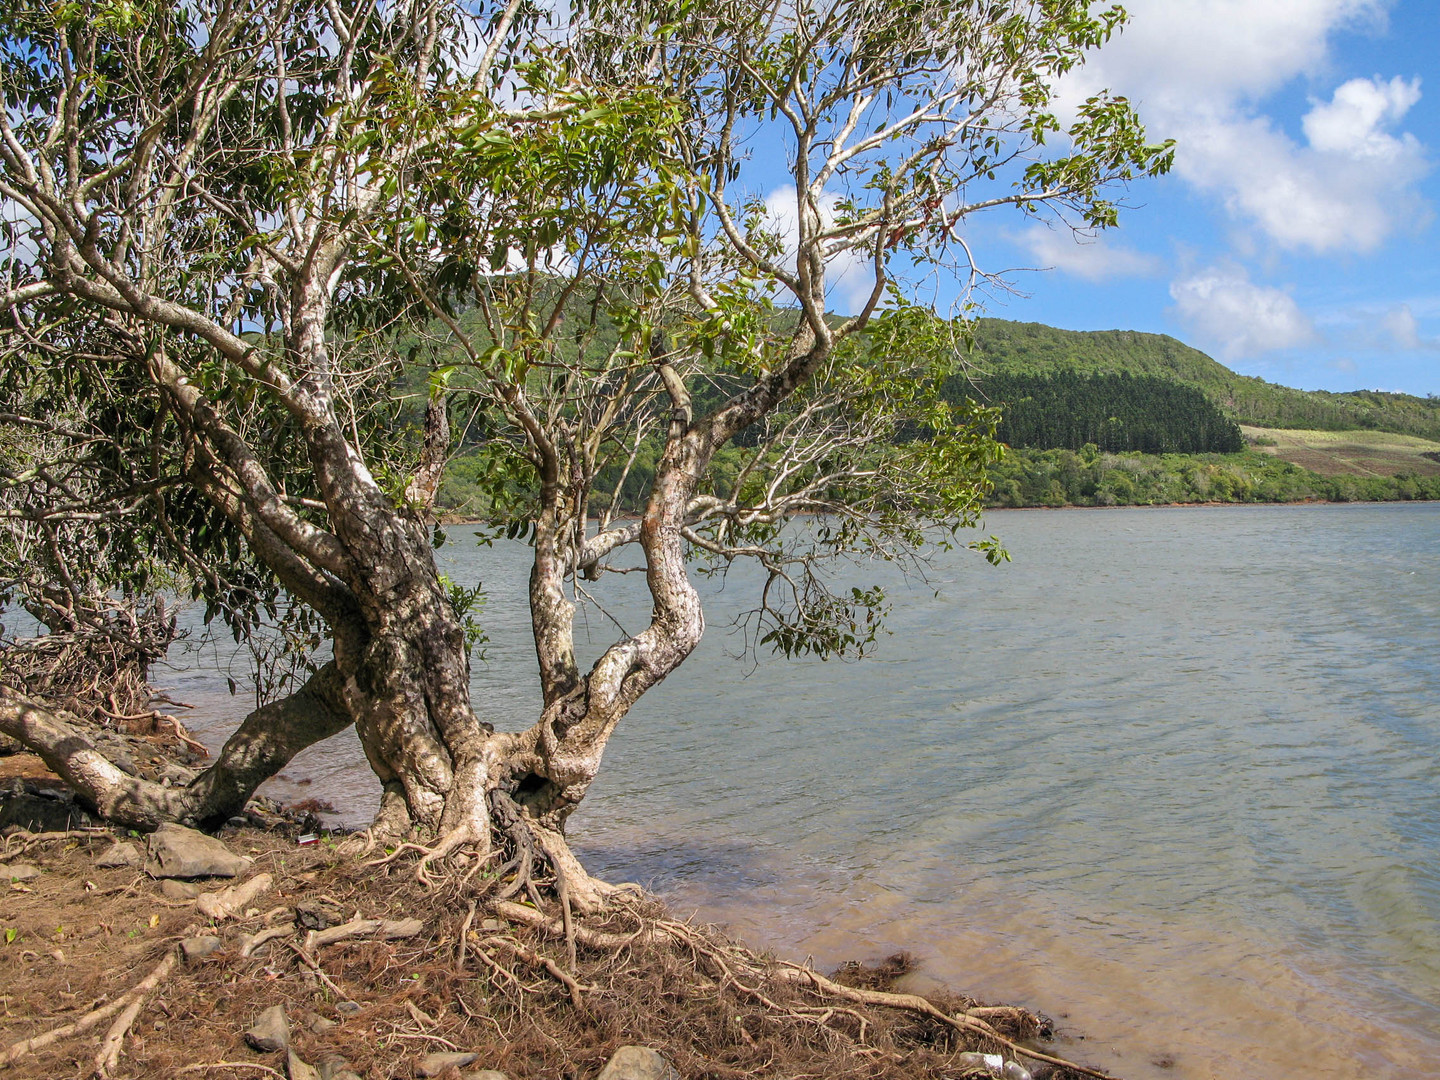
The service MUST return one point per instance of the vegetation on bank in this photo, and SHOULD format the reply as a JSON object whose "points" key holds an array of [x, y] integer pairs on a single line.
{"points": [[1091, 477]]}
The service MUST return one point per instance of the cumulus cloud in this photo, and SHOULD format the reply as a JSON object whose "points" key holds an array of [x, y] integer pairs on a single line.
{"points": [[1353, 123], [1091, 259], [1200, 71], [1225, 308]]}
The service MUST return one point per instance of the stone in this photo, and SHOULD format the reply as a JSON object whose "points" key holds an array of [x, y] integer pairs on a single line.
{"points": [[637, 1063], [335, 1067], [318, 915], [484, 1074], [437, 1063], [120, 853], [178, 852], [19, 872], [319, 1025], [271, 1031], [346, 1074], [298, 1069], [197, 948], [349, 1008], [180, 890]]}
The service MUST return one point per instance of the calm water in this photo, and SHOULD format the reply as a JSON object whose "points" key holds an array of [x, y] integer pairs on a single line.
{"points": [[1172, 776]]}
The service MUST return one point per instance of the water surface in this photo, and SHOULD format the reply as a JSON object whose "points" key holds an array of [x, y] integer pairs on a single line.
{"points": [[1172, 775]]}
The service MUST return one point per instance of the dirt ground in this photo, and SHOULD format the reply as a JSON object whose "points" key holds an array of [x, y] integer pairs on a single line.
{"points": [[78, 937]]}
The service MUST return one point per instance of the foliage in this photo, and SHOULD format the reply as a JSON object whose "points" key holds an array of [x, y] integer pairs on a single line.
{"points": [[1092, 478]]}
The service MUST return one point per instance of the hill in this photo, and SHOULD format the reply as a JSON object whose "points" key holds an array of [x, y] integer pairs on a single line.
{"points": [[1001, 347]]}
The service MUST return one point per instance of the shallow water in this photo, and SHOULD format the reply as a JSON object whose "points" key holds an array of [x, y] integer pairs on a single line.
{"points": [[1172, 774]]}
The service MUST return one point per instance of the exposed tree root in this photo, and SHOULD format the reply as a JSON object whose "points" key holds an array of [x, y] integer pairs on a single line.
{"points": [[484, 973]]}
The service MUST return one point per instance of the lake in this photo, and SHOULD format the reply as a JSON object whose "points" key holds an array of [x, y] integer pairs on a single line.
{"points": [[1171, 776]]}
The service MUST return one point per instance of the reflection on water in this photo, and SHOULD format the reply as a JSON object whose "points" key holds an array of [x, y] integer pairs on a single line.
{"points": [[1172, 774]]}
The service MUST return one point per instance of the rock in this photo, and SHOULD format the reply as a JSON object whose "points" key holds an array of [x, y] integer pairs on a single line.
{"points": [[178, 852], [19, 872], [180, 890], [335, 1067], [349, 1008], [120, 853], [197, 948], [297, 1069], [271, 1031], [232, 901], [345, 1074], [318, 915], [637, 1063], [319, 1025], [484, 1074], [435, 1064]]}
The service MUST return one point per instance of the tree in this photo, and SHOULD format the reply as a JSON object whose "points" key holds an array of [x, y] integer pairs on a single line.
{"points": [[260, 220]]}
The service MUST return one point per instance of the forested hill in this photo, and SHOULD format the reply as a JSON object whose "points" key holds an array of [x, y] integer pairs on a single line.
{"points": [[1004, 348]]}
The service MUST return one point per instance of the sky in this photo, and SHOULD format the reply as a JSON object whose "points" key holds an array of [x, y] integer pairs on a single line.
{"points": [[1295, 238]]}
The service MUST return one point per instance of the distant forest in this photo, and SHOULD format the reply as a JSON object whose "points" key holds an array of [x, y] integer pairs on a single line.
{"points": [[1014, 348], [1118, 413]]}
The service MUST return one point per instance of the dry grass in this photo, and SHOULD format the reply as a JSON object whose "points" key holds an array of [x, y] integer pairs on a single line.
{"points": [[82, 936], [1350, 453]]}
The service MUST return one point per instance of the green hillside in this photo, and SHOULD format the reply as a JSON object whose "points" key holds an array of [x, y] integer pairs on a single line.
{"points": [[1012, 348]]}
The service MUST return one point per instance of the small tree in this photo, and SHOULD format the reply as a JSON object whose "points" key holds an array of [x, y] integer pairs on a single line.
{"points": [[258, 219]]}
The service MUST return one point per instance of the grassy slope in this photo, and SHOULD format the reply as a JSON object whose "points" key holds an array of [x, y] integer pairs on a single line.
{"points": [[1349, 453], [1033, 347]]}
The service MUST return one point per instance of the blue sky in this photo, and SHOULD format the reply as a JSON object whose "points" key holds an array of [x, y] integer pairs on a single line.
{"points": [[1295, 239]]}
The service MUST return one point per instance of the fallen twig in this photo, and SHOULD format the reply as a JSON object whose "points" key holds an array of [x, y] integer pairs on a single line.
{"points": [[384, 929], [264, 937], [96, 1016], [232, 1065], [317, 969], [109, 1056]]}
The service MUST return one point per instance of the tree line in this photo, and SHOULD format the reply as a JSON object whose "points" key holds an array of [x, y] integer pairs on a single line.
{"points": [[1117, 412]]}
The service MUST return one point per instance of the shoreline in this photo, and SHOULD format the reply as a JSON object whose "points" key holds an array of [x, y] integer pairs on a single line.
{"points": [[450, 523], [326, 937]]}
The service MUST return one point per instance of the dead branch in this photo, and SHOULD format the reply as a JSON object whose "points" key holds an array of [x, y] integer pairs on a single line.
{"points": [[109, 1056], [94, 1017], [264, 937], [383, 929]]}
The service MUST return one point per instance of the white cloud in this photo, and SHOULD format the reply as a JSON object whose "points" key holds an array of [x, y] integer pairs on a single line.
{"points": [[1174, 53], [1091, 259], [848, 274], [1199, 71], [1227, 309], [1399, 323], [1302, 199], [1351, 124]]}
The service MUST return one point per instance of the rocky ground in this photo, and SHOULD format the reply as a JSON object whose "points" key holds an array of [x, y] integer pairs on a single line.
{"points": [[253, 954]]}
